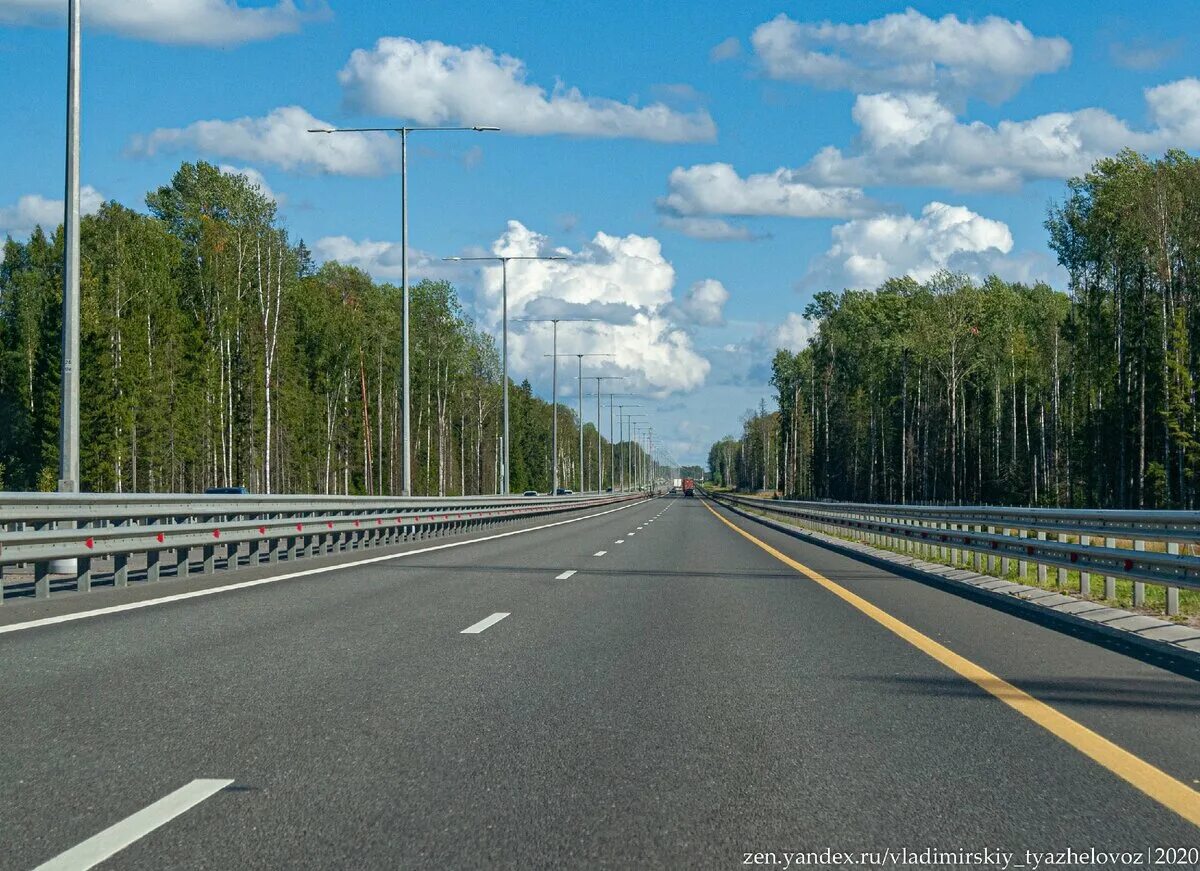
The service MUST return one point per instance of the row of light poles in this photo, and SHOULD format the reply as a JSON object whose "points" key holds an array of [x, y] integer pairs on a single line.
{"points": [[68, 476]]}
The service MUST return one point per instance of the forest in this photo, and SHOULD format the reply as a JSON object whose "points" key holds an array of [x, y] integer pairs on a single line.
{"points": [[962, 391], [215, 352]]}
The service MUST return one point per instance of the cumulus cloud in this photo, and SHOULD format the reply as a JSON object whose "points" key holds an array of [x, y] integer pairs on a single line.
{"points": [[991, 58], [625, 276], [704, 303], [712, 229], [868, 251], [793, 334], [35, 210], [279, 138], [384, 261], [717, 189], [915, 139], [176, 22], [434, 83]]}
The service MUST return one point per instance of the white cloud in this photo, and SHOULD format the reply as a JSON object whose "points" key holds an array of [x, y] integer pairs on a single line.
{"points": [[991, 58], [914, 139], [384, 260], [280, 139], [434, 83], [177, 22], [34, 210], [255, 178], [625, 280], [868, 251], [704, 303], [717, 189], [794, 333], [713, 229], [726, 49]]}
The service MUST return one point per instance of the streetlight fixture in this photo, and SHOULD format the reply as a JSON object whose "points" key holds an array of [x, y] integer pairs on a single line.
{"points": [[599, 379], [627, 465], [580, 376], [554, 391], [406, 465], [612, 432], [503, 261]]}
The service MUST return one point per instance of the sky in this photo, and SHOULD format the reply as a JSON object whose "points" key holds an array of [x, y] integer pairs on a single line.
{"points": [[703, 169]]}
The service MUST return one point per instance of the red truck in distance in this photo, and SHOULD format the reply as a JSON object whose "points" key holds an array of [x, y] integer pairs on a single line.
{"points": [[689, 487]]}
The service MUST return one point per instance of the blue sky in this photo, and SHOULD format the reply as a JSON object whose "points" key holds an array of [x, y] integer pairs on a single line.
{"points": [[908, 141]]}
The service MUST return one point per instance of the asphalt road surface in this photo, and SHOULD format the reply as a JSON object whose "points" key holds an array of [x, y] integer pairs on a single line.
{"points": [[643, 688]]}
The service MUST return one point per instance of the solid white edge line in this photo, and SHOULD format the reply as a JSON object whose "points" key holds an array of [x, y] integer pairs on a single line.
{"points": [[117, 837], [476, 628], [600, 553], [243, 585], [564, 575]]}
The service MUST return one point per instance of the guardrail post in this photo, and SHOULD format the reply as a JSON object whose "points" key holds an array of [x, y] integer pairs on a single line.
{"points": [[1041, 568], [121, 570], [1022, 565], [980, 557], [41, 580], [208, 559], [183, 565], [1139, 589], [83, 580], [1110, 582], [153, 558], [1173, 592], [1005, 562]]}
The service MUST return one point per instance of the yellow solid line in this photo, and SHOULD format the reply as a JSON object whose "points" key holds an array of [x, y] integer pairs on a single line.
{"points": [[1157, 784]]}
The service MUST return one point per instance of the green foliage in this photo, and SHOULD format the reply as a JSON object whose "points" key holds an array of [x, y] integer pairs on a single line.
{"points": [[216, 352], [948, 390]]}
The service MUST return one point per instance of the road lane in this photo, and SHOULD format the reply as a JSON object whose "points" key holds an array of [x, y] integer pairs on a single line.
{"points": [[684, 699]]}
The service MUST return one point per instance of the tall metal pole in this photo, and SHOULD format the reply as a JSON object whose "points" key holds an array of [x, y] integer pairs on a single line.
{"points": [[599, 444], [68, 454], [612, 445], [406, 464], [505, 476], [581, 478], [554, 403]]}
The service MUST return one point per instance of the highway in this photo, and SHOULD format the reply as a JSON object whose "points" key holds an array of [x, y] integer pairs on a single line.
{"points": [[661, 691]]}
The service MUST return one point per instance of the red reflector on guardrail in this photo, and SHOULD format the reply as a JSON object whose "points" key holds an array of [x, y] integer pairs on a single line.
{"points": [[1128, 564], [262, 530], [160, 537], [216, 533], [90, 543], [1074, 557]]}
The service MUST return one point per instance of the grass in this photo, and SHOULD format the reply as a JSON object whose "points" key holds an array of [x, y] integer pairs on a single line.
{"points": [[1156, 596]]}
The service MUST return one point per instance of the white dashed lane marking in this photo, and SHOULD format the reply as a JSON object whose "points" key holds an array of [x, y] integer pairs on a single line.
{"points": [[476, 628], [564, 575]]}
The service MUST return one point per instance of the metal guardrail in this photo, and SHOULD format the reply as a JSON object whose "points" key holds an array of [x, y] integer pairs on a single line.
{"points": [[63, 539], [1089, 541]]}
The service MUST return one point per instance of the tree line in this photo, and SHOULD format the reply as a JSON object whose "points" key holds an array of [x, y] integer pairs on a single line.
{"points": [[215, 352], [955, 390]]}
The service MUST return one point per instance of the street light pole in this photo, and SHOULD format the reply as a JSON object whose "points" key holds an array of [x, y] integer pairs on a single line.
{"points": [[580, 377], [68, 455], [406, 418], [554, 393], [503, 260], [599, 436]]}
